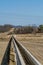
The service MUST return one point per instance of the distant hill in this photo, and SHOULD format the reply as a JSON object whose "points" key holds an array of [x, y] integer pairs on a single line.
{"points": [[8, 28], [11, 29], [5, 28]]}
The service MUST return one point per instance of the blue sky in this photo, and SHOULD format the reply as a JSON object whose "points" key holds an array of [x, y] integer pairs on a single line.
{"points": [[21, 12]]}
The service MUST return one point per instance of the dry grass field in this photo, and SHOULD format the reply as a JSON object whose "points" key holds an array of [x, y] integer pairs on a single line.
{"points": [[4, 40], [33, 43]]}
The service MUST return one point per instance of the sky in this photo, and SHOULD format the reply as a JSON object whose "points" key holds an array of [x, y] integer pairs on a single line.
{"points": [[21, 12]]}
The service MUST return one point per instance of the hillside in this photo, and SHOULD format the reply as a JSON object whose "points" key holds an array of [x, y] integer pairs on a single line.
{"points": [[5, 28]]}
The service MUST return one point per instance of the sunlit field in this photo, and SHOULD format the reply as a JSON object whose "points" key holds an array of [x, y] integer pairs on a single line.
{"points": [[4, 40], [33, 43]]}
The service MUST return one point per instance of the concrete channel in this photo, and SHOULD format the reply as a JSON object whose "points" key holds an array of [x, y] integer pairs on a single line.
{"points": [[27, 57], [17, 54]]}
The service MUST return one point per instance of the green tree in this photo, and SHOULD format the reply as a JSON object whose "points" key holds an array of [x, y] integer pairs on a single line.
{"points": [[41, 28]]}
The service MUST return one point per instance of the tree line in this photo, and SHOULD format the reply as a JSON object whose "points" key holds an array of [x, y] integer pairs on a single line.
{"points": [[22, 29], [29, 29], [5, 28]]}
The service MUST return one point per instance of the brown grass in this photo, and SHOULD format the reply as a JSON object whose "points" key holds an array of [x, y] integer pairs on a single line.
{"points": [[34, 44], [4, 40]]}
